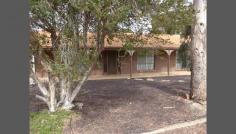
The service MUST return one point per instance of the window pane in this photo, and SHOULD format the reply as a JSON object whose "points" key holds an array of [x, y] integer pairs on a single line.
{"points": [[145, 61]]}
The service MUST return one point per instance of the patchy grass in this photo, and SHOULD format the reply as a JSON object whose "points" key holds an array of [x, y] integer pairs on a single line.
{"points": [[48, 123]]}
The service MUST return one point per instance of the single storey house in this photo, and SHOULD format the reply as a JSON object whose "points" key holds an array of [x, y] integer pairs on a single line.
{"points": [[157, 54]]}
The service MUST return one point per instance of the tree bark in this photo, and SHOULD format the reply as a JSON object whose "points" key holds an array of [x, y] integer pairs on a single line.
{"points": [[199, 50], [78, 87], [42, 88], [66, 95], [62, 90], [85, 27], [52, 91]]}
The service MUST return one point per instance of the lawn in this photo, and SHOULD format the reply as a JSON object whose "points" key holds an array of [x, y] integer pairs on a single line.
{"points": [[44, 122]]}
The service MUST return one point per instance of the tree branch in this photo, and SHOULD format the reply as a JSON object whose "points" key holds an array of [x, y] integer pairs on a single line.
{"points": [[78, 87], [43, 99], [40, 85]]}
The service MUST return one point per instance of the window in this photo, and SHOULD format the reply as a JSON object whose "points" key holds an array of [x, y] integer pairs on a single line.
{"points": [[178, 62], [145, 61]]}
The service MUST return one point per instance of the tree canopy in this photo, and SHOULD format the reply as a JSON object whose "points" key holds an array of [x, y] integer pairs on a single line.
{"points": [[172, 17], [69, 22]]}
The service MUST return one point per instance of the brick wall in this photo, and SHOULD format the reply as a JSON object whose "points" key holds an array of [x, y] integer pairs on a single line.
{"points": [[125, 64], [99, 67], [160, 63]]}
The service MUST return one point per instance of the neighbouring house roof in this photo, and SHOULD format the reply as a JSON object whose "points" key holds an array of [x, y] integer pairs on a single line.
{"points": [[162, 41]]}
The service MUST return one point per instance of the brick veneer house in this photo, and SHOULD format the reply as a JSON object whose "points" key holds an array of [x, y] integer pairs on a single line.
{"points": [[145, 58], [113, 60]]}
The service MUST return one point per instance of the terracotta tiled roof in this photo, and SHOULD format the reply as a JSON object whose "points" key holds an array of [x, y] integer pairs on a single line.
{"points": [[48, 39], [163, 41]]}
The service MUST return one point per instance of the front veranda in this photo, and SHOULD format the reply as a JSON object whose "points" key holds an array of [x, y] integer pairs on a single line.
{"points": [[143, 60]]}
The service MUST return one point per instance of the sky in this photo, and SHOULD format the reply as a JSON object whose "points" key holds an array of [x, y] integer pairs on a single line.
{"points": [[144, 24]]}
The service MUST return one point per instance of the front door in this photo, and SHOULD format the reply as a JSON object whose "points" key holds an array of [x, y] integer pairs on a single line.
{"points": [[112, 62]]}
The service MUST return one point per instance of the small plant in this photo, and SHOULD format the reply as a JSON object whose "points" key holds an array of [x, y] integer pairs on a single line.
{"points": [[48, 123]]}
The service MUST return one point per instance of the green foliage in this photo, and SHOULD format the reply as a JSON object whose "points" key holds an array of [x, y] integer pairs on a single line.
{"points": [[131, 41], [61, 16], [184, 55], [47, 123], [69, 21], [128, 46], [71, 62], [51, 15], [172, 17], [65, 17], [41, 7]]}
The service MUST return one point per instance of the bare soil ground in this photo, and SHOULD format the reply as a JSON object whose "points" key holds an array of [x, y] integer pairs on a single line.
{"points": [[133, 106], [35, 104], [198, 129]]}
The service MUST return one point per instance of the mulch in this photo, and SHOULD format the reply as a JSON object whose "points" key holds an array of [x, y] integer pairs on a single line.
{"points": [[133, 106]]}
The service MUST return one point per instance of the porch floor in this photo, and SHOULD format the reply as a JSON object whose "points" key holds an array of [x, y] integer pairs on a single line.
{"points": [[137, 75]]}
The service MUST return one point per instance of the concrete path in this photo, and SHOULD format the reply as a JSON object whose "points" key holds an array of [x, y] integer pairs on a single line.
{"points": [[137, 75]]}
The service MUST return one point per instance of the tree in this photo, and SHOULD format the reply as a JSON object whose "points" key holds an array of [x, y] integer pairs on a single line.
{"points": [[198, 51], [69, 64], [184, 54], [171, 16], [62, 20]]}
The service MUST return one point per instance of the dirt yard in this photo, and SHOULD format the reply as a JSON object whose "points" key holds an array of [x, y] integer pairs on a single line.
{"points": [[133, 106]]}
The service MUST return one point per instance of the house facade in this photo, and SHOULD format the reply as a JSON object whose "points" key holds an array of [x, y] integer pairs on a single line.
{"points": [[157, 54], [113, 62]]}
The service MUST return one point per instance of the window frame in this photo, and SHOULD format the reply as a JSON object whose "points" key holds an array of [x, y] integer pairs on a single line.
{"points": [[147, 63]]}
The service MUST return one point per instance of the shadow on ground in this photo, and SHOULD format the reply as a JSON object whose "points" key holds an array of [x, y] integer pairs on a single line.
{"points": [[132, 106]]}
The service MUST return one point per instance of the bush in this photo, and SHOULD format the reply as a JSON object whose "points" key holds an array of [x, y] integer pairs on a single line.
{"points": [[48, 123]]}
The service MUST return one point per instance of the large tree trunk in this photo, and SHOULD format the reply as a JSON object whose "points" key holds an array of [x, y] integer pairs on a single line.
{"points": [[52, 91], [66, 94], [199, 53]]}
